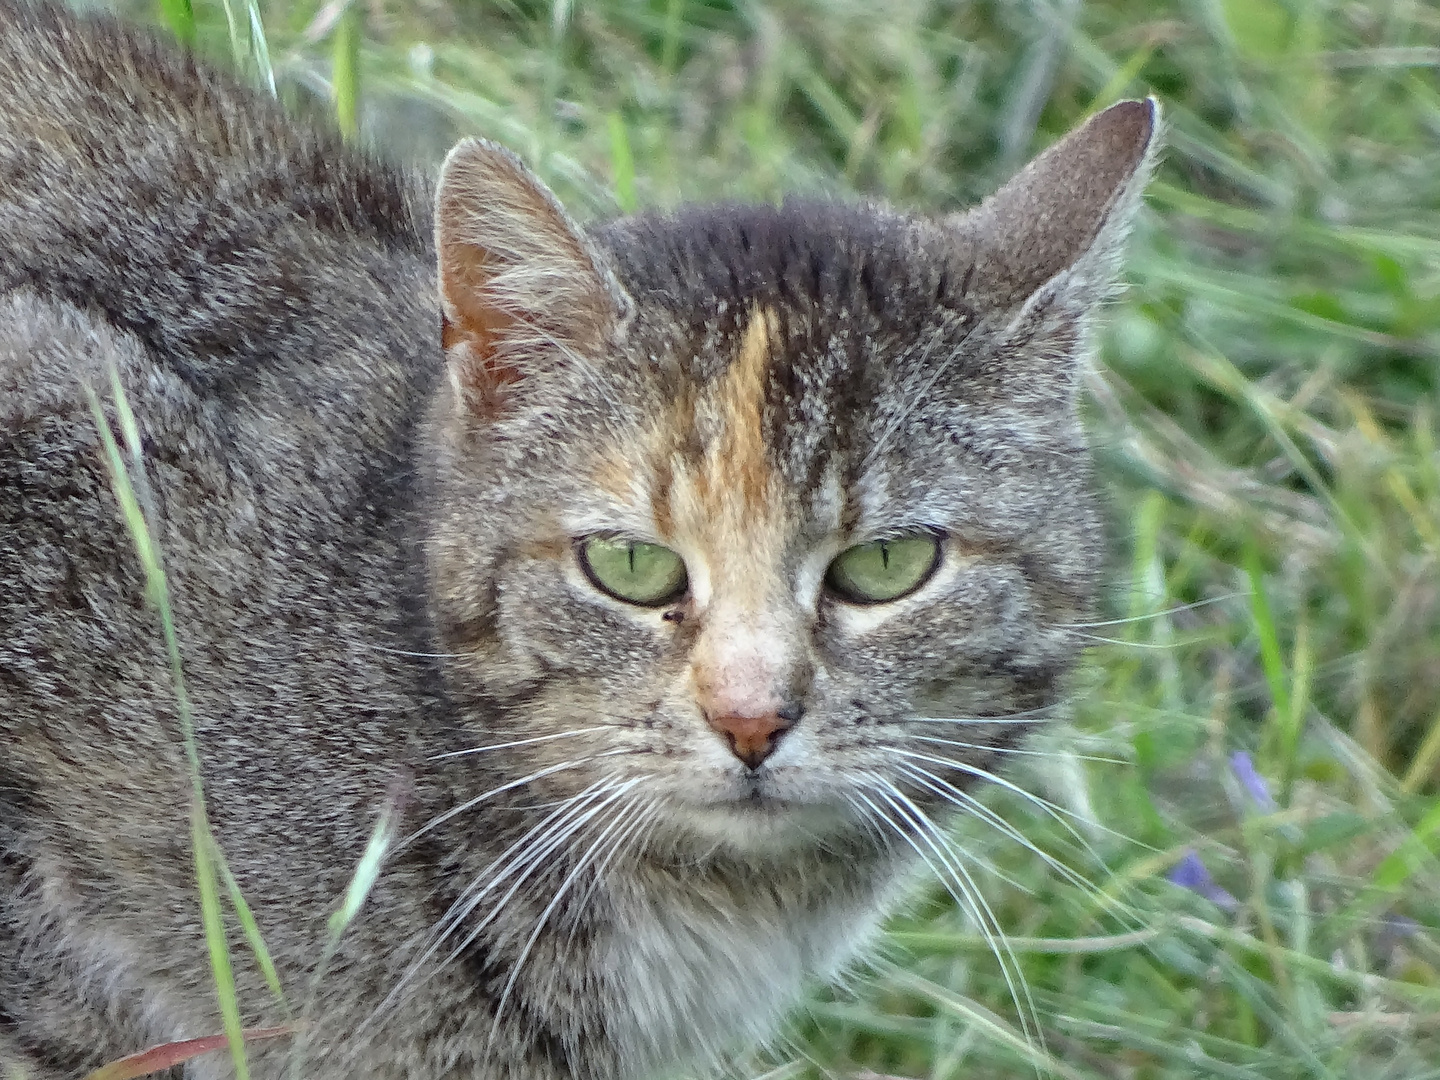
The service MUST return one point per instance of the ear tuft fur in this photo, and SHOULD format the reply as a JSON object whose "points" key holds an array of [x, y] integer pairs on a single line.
{"points": [[520, 286]]}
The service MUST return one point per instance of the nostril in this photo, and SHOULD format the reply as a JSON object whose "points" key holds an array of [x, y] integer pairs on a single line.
{"points": [[791, 713], [752, 739]]}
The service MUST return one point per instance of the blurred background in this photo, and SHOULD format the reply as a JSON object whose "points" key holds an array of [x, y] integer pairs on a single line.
{"points": [[1227, 866]]}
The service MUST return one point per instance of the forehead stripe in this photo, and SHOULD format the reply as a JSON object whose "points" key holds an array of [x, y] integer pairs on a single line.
{"points": [[741, 460]]}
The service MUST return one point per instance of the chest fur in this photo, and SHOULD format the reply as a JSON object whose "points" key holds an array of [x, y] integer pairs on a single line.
{"points": [[697, 973]]}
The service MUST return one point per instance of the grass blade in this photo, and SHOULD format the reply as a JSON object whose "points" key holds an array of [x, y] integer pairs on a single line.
{"points": [[345, 72], [1271, 655], [180, 18], [367, 873], [214, 923], [623, 164], [132, 495], [252, 931], [260, 47]]}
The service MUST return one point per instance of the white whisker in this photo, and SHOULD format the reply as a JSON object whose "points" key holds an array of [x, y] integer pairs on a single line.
{"points": [[963, 800], [421, 655], [937, 373], [518, 742], [1013, 750], [1013, 973], [473, 893], [646, 822], [1176, 610], [1164, 646], [469, 804], [1024, 718], [959, 883], [591, 852], [525, 865], [1059, 813]]}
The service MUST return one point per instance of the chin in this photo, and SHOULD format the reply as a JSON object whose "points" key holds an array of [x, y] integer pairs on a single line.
{"points": [[756, 816]]}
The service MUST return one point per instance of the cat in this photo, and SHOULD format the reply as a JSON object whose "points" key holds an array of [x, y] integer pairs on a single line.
{"points": [[664, 583]]}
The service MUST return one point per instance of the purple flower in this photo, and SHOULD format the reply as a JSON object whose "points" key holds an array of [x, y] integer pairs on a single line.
{"points": [[1395, 929], [1190, 873], [1400, 926], [1252, 781]]}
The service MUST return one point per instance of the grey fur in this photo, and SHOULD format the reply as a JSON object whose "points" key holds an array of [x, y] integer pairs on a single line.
{"points": [[371, 566]]}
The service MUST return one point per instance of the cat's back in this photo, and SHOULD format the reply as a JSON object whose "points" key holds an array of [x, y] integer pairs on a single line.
{"points": [[263, 296], [184, 208], [234, 251]]}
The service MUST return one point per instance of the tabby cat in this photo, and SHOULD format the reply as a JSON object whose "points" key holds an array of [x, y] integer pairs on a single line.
{"points": [[665, 581]]}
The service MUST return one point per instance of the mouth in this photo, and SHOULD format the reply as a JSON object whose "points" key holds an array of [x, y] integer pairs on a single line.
{"points": [[758, 788], [758, 812], [755, 798]]}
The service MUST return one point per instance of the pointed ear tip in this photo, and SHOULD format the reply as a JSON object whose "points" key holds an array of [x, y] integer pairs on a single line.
{"points": [[1133, 122]]}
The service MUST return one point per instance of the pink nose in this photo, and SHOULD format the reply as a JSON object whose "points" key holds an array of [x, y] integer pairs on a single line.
{"points": [[752, 739]]}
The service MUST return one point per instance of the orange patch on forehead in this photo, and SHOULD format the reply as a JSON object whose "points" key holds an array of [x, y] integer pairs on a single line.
{"points": [[737, 515], [703, 473], [740, 405]]}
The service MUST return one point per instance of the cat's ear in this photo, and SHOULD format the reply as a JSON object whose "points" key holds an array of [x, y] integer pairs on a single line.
{"points": [[521, 289], [1066, 213]]}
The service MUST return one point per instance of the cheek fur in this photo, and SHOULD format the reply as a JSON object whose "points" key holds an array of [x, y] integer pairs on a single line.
{"points": [[548, 611]]}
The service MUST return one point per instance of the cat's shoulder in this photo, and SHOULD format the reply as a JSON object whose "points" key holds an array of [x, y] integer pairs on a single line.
{"points": [[51, 351]]}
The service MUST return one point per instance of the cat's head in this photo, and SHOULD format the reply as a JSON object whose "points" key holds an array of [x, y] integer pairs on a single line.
{"points": [[753, 513]]}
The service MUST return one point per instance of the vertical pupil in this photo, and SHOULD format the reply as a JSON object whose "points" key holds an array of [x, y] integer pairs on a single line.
{"points": [[885, 555], [630, 550]]}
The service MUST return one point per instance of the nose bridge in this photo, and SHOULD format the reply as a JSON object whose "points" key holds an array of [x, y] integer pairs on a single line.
{"points": [[739, 669], [751, 647], [750, 676]]}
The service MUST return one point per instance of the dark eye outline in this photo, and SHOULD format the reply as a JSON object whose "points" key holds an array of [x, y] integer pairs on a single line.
{"points": [[582, 558], [839, 593]]}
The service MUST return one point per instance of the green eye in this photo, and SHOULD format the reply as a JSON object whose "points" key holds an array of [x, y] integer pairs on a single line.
{"points": [[883, 570], [637, 573]]}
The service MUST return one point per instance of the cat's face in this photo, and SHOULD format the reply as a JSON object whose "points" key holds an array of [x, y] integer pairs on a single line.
{"points": [[757, 514]]}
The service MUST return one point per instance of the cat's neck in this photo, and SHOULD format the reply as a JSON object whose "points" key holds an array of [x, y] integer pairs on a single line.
{"points": [[702, 951]]}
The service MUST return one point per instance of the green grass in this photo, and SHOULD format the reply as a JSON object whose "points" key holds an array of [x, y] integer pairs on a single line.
{"points": [[1265, 409]]}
